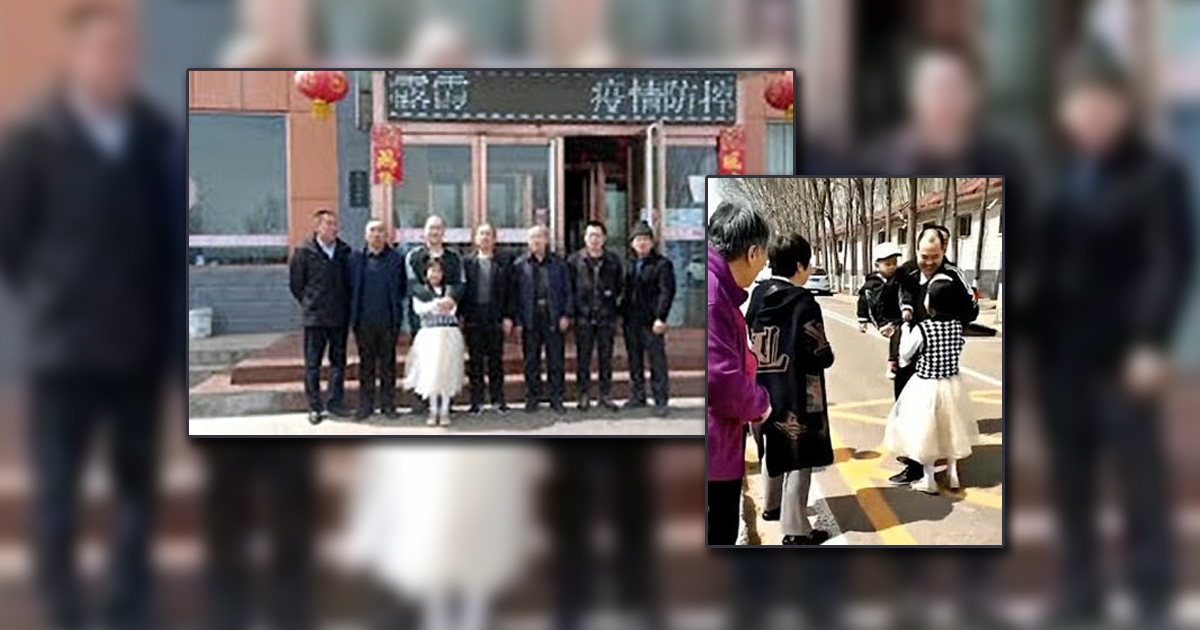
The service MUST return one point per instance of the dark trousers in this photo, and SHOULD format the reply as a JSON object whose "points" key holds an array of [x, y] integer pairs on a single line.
{"points": [[640, 340], [724, 511], [68, 413], [279, 478], [902, 377], [1088, 417], [316, 340], [485, 347], [620, 473], [543, 334], [376, 356], [598, 336]]}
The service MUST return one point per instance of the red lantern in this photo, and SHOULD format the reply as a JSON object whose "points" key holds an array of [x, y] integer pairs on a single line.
{"points": [[778, 93], [324, 87]]}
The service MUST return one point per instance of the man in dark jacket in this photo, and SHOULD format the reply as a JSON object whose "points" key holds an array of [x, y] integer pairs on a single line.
{"points": [[87, 202], [415, 264], [483, 307], [319, 279], [787, 336], [1121, 205], [542, 306], [377, 290], [649, 291], [598, 283]]}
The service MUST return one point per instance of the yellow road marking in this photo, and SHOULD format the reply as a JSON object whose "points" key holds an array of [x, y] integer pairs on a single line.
{"points": [[856, 475], [978, 496]]}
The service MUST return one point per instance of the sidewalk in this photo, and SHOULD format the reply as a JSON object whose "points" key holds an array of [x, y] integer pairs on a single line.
{"points": [[686, 419]]}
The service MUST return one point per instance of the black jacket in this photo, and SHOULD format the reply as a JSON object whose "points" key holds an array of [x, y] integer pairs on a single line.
{"points": [[648, 295], [522, 289], [321, 285], [787, 336], [879, 300], [397, 284], [498, 307], [92, 246], [417, 262], [1114, 262], [611, 286], [912, 292]]}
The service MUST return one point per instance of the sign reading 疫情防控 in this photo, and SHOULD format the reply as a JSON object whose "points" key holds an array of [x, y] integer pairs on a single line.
{"points": [[674, 96]]}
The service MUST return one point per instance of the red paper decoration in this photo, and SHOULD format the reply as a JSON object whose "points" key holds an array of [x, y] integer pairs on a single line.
{"points": [[324, 87]]}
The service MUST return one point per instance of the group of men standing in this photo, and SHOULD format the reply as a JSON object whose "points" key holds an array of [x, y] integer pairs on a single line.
{"points": [[537, 292]]}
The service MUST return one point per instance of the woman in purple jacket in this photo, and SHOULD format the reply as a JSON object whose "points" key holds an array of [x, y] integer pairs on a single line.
{"points": [[737, 251]]}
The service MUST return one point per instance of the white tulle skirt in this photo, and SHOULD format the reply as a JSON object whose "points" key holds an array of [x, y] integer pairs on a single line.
{"points": [[435, 362], [434, 518], [931, 420]]}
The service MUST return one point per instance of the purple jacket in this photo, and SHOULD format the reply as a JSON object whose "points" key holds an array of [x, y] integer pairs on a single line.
{"points": [[734, 397]]}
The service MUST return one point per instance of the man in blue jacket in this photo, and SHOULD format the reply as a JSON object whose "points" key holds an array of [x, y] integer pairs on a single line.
{"points": [[377, 290], [542, 303]]}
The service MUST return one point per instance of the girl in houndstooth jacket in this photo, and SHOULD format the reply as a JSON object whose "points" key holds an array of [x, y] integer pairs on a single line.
{"points": [[931, 420]]}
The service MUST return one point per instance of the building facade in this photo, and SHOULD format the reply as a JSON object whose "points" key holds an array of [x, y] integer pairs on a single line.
{"points": [[511, 148]]}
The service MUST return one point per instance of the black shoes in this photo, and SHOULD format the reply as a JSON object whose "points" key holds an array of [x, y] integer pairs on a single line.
{"points": [[391, 413], [475, 410], [339, 412], [771, 515], [607, 403], [815, 537], [531, 407], [584, 403], [634, 403], [910, 474], [558, 408], [315, 417], [503, 409], [661, 411], [363, 413]]}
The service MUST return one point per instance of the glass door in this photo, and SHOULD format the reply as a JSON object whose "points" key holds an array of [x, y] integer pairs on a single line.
{"points": [[521, 188]]}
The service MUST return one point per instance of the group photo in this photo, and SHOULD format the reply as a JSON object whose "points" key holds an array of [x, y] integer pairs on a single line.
{"points": [[854, 361], [460, 251]]}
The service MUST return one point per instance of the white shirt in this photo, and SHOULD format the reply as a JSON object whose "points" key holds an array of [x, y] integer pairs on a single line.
{"points": [[328, 249]]}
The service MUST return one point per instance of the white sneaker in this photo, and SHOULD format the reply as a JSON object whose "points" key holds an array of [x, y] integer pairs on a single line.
{"points": [[889, 374], [926, 486], [445, 419], [433, 419]]}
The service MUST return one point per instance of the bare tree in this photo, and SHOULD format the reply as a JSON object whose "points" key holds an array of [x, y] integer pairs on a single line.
{"points": [[983, 200], [887, 207], [912, 218], [953, 225], [945, 199], [869, 233]]}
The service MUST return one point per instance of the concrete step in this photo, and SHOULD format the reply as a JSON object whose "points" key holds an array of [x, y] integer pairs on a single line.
{"points": [[218, 396]]}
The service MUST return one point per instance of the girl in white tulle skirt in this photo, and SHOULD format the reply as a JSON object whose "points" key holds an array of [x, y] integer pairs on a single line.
{"points": [[931, 420], [434, 368], [448, 526]]}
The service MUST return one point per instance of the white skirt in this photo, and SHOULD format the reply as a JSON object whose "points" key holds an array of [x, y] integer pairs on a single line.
{"points": [[931, 420], [436, 518], [435, 362]]}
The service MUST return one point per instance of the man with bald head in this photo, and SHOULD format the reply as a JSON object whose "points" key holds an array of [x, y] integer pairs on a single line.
{"points": [[541, 307], [417, 262], [914, 278]]}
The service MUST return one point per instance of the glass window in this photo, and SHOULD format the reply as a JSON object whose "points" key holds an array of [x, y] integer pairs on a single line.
{"points": [[902, 235], [237, 189], [881, 237], [687, 168], [781, 152], [437, 180], [964, 226], [518, 179]]}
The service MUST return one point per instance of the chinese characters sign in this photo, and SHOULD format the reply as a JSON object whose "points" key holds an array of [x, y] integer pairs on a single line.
{"points": [[687, 97], [387, 154], [731, 151]]}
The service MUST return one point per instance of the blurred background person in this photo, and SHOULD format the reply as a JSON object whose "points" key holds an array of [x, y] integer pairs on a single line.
{"points": [[586, 479], [87, 187], [446, 525], [243, 474], [1116, 248]]}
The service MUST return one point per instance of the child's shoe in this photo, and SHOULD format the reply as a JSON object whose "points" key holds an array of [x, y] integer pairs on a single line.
{"points": [[952, 474], [926, 483], [433, 419], [445, 419]]}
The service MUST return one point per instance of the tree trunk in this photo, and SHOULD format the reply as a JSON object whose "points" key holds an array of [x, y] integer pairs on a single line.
{"points": [[954, 235], [869, 211], [851, 231], [945, 199], [887, 207], [912, 218], [983, 205]]}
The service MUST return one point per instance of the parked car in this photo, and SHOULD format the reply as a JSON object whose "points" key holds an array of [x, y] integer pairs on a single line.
{"points": [[818, 282]]}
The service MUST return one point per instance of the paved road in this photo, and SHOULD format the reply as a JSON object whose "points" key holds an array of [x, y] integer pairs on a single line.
{"points": [[852, 498], [686, 419]]}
